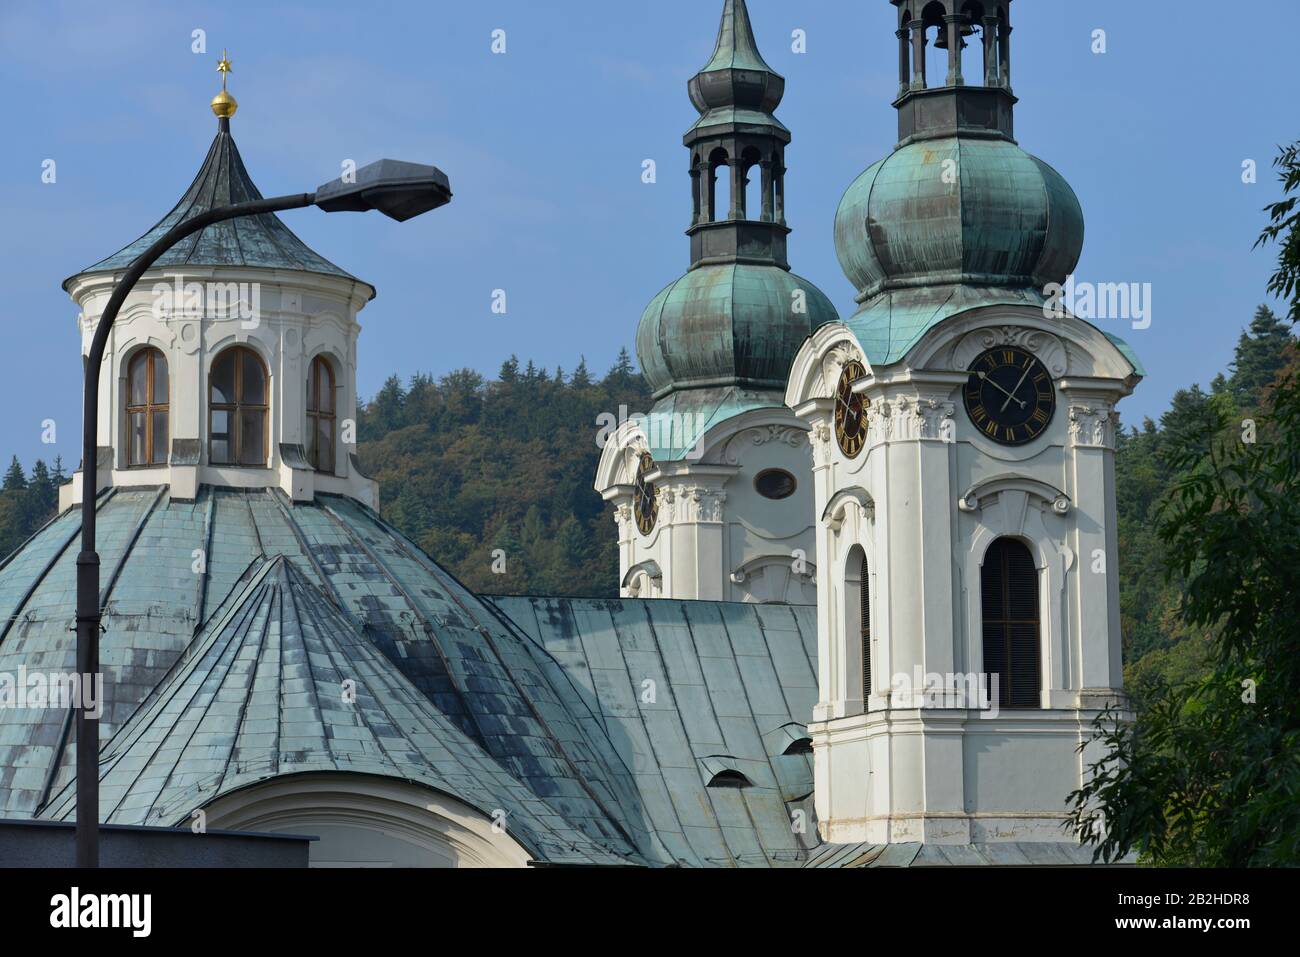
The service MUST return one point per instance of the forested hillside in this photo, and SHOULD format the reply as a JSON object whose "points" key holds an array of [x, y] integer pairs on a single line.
{"points": [[467, 466]]}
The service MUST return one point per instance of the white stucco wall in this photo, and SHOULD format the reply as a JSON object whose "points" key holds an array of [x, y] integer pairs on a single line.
{"points": [[288, 318], [924, 499]]}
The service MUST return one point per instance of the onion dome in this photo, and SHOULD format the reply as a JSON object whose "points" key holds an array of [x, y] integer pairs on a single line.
{"points": [[1003, 217], [724, 325], [958, 201]]}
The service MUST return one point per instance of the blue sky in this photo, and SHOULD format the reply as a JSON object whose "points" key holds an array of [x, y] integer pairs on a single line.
{"points": [[544, 147]]}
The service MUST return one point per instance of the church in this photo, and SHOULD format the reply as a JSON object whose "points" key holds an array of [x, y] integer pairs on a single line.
{"points": [[868, 605]]}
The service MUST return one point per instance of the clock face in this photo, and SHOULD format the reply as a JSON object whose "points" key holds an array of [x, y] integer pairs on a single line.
{"points": [[1010, 396], [850, 411], [644, 506]]}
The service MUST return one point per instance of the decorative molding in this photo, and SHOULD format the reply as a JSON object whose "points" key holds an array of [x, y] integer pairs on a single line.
{"points": [[837, 508], [650, 568], [1093, 425], [1049, 348], [910, 417], [747, 570], [819, 445], [833, 361], [977, 496], [762, 435], [700, 503]]}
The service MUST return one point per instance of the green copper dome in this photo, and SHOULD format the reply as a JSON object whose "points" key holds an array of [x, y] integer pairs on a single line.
{"points": [[728, 324], [1000, 217]]}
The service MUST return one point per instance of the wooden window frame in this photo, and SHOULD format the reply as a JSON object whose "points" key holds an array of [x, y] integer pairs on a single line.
{"points": [[316, 415], [148, 355], [234, 410]]}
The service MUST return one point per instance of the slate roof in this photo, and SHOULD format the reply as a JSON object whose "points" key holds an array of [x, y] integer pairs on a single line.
{"points": [[262, 241]]}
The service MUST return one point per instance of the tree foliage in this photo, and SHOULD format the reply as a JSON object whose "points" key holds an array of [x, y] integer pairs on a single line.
{"points": [[492, 475], [27, 503], [1209, 772]]}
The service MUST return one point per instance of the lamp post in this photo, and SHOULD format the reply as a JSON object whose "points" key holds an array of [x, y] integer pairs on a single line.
{"points": [[398, 190]]}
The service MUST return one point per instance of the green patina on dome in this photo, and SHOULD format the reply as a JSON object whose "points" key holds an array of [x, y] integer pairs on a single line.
{"points": [[892, 322], [732, 324], [1005, 219]]}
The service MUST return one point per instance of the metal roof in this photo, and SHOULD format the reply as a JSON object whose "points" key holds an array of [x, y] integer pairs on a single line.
{"points": [[684, 689], [1002, 217], [223, 676], [728, 324], [260, 693], [598, 725], [262, 241]]}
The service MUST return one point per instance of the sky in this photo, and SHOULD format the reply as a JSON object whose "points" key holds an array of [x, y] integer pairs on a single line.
{"points": [[545, 145]]}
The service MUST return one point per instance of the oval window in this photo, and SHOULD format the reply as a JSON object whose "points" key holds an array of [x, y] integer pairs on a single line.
{"points": [[775, 483]]}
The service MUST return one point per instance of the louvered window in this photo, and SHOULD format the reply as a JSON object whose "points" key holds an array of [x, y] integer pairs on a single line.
{"points": [[1009, 593], [864, 592]]}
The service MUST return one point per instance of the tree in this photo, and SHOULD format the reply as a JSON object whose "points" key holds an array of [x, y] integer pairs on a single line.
{"points": [[581, 377], [15, 479], [1208, 773], [1261, 352], [1284, 227], [622, 372]]}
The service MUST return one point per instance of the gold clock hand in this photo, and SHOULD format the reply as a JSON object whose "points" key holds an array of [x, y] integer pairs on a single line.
{"points": [[983, 377], [1012, 394]]}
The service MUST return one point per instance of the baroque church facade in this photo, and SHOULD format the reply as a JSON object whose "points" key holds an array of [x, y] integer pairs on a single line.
{"points": [[867, 608]]}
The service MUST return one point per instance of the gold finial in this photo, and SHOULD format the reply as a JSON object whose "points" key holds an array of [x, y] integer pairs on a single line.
{"points": [[223, 104]]}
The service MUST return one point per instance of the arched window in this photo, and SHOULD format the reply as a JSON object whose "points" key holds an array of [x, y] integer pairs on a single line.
{"points": [[753, 179], [719, 191], [1009, 593], [146, 409], [237, 409], [864, 605], [320, 415], [855, 617]]}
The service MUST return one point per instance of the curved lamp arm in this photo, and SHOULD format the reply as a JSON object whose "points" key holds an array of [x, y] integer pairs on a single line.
{"points": [[88, 612]]}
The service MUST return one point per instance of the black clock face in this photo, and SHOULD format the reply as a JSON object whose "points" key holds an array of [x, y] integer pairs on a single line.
{"points": [[850, 411], [1010, 396], [644, 506]]}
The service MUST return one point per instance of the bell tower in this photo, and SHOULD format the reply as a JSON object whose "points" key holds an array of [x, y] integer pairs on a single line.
{"points": [[963, 434], [737, 143], [974, 95], [710, 486]]}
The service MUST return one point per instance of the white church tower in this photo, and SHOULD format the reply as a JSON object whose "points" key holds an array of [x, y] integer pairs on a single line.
{"points": [[711, 488], [964, 474], [233, 360]]}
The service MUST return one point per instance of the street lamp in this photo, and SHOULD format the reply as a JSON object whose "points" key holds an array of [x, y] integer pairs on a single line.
{"points": [[398, 190]]}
